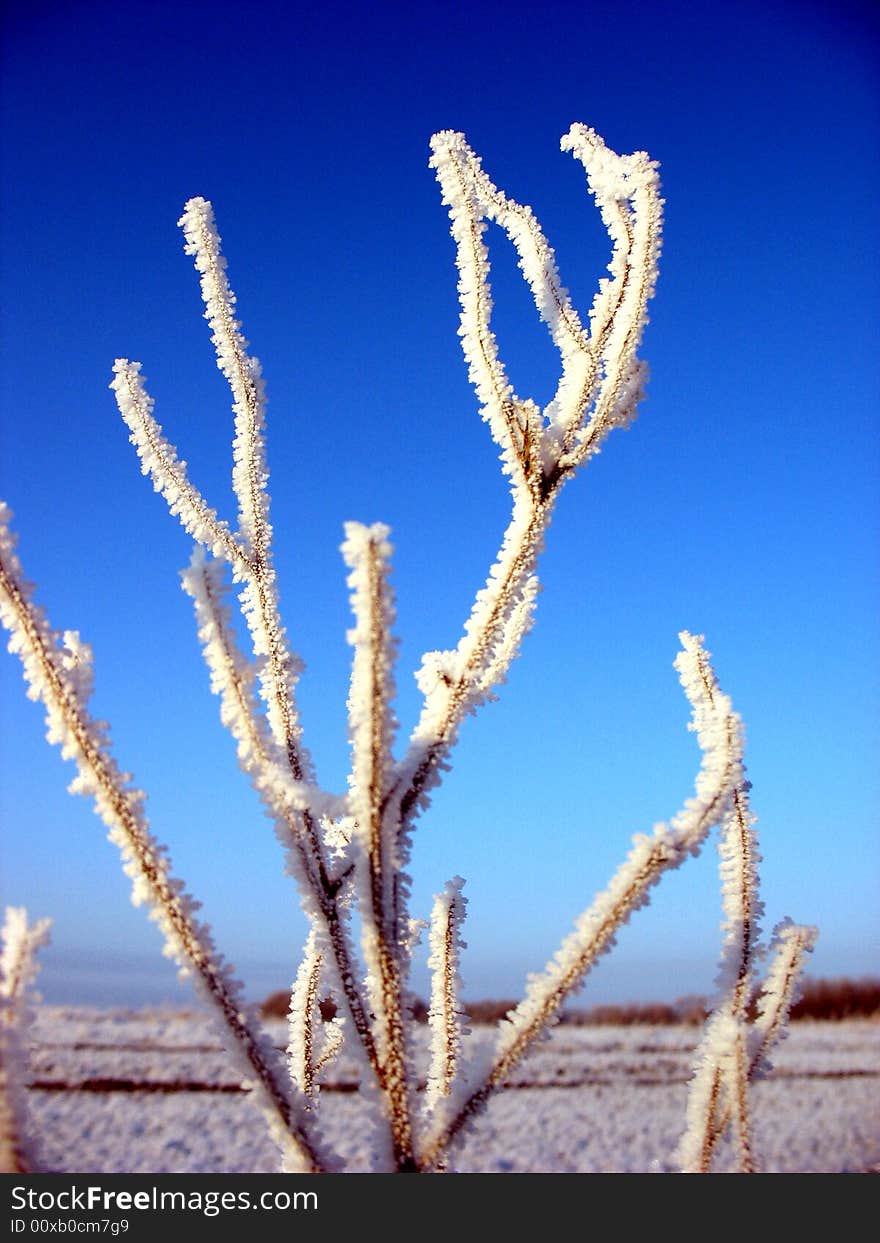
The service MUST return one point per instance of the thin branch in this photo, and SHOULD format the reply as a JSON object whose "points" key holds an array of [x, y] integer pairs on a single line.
{"points": [[721, 1074], [719, 734], [288, 802], [120, 806], [601, 369], [259, 596], [159, 460], [453, 163], [278, 668], [303, 1019], [445, 1013], [371, 730], [19, 943], [789, 947], [244, 374]]}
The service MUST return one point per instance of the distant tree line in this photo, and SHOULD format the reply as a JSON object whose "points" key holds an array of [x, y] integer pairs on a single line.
{"points": [[821, 999]]}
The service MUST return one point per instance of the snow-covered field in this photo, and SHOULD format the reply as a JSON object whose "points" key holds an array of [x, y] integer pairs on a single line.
{"points": [[152, 1092]]}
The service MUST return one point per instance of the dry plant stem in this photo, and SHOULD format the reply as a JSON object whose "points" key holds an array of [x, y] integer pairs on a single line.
{"points": [[528, 541], [769, 1027], [663, 854], [119, 807], [308, 1080], [169, 474], [567, 983], [258, 765], [792, 942], [304, 1016], [723, 1048], [599, 388], [251, 563], [248, 480], [372, 730], [450, 1018], [535, 487], [19, 943], [713, 1114], [445, 1014], [742, 834]]}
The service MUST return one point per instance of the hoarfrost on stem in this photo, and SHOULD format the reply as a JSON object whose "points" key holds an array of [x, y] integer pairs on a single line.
{"points": [[19, 943], [350, 854]]}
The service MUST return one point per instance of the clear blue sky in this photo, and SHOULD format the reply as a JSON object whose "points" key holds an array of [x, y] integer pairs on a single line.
{"points": [[743, 503]]}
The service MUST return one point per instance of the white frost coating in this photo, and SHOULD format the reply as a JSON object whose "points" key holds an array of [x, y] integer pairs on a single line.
{"points": [[719, 734], [371, 725], [445, 1014], [722, 1063], [601, 383], [368, 834], [517, 624], [280, 668], [286, 800], [733, 1050], [313, 1044], [720, 1066], [598, 367], [145, 861], [159, 460], [371, 720], [304, 1019], [233, 678], [19, 943], [788, 951], [249, 475], [456, 683], [627, 192], [453, 160], [381, 883], [277, 668]]}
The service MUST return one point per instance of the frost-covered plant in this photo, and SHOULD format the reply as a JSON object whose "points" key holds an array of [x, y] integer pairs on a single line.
{"points": [[734, 1049], [352, 852], [19, 942]]}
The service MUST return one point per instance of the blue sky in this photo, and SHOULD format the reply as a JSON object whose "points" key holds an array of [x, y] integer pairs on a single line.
{"points": [[742, 504]]}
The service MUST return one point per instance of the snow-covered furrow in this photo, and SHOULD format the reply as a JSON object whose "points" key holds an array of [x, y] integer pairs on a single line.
{"points": [[587, 1099]]}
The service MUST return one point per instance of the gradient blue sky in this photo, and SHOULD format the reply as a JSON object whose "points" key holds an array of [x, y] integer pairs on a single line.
{"points": [[743, 503]]}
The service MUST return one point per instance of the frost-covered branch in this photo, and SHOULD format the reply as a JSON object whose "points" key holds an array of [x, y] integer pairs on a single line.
{"points": [[159, 460], [371, 729], [445, 1014], [789, 947], [353, 853], [288, 802], [719, 733], [249, 550], [711, 1104], [64, 694], [244, 374], [280, 668], [722, 1061], [303, 1020], [291, 797], [627, 192], [19, 943], [313, 1044], [600, 386]]}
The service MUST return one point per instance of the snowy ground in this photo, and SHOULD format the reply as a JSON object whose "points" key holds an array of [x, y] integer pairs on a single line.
{"points": [[152, 1092]]}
